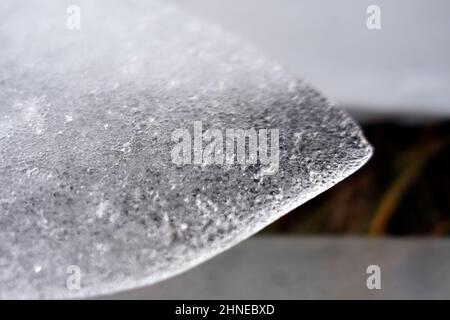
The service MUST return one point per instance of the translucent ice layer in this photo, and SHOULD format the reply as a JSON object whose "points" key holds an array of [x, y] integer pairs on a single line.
{"points": [[91, 201]]}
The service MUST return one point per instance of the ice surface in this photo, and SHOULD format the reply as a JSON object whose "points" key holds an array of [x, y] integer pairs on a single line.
{"points": [[86, 175]]}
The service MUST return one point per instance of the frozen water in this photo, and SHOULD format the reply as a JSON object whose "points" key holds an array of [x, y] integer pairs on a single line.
{"points": [[86, 175]]}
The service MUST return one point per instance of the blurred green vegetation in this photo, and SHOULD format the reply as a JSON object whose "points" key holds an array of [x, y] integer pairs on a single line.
{"points": [[403, 190]]}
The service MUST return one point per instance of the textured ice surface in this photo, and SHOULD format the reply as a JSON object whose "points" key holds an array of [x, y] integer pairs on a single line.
{"points": [[86, 176]]}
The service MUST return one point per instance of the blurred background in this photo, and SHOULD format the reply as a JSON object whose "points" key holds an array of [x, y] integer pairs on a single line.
{"points": [[394, 80]]}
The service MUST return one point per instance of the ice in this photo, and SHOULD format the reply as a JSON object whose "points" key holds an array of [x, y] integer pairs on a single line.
{"points": [[87, 182]]}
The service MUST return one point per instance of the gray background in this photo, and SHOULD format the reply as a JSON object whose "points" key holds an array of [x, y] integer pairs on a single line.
{"points": [[400, 71], [313, 268]]}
